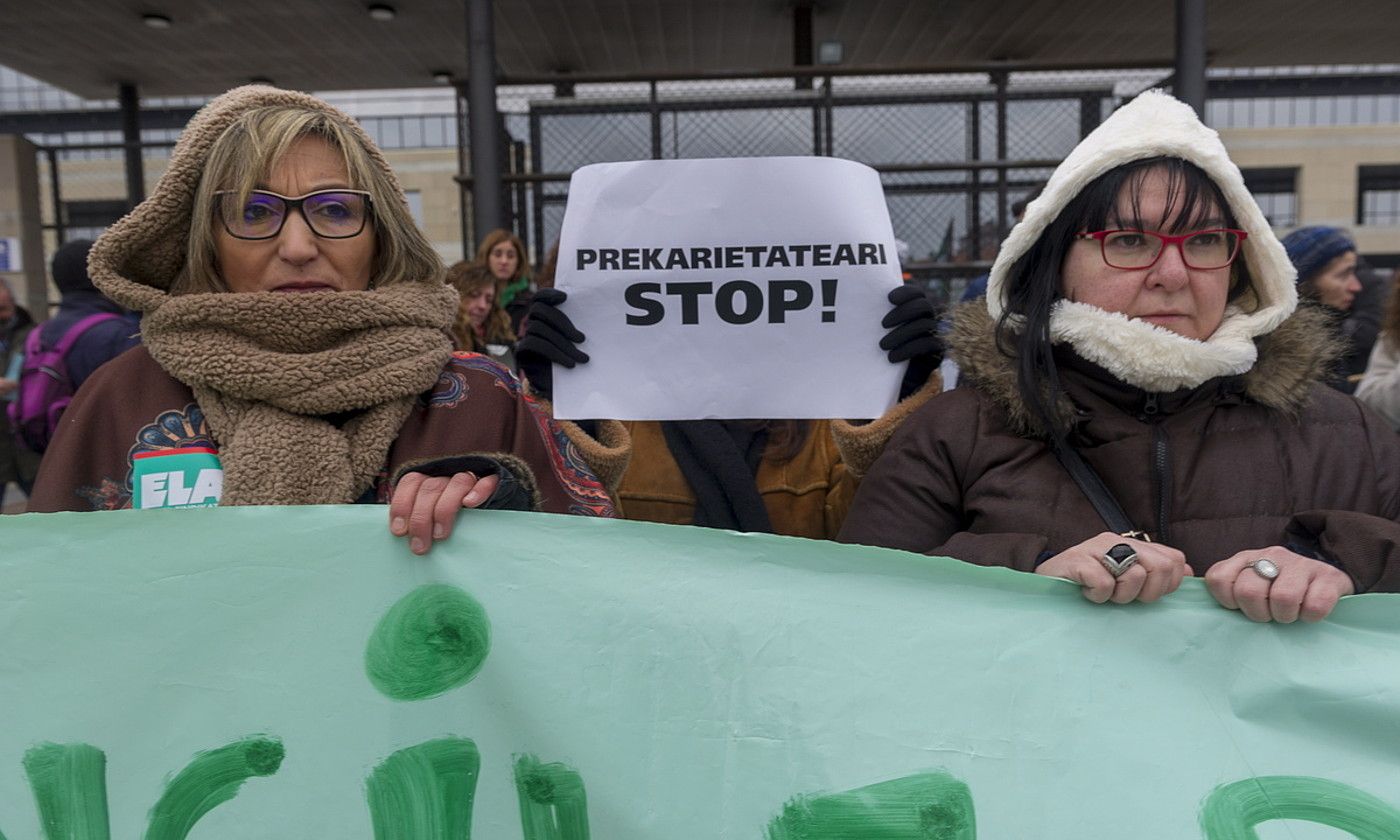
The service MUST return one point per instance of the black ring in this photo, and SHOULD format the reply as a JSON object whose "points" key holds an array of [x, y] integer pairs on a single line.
{"points": [[1119, 559]]}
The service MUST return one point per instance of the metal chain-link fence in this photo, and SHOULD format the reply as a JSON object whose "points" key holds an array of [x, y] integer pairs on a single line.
{"points": [[956, 151], [82, 185]]}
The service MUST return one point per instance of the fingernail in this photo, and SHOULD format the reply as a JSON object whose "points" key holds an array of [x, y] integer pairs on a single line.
{"points": [[416, 546], [439, 532], [397, 525]]}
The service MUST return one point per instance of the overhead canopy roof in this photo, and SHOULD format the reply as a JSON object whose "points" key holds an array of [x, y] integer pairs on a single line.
{"points": [[90, 46]]}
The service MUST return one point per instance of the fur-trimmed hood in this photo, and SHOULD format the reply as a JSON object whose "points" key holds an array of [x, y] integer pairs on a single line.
{"points": [[1155, 125], [1291, 360], [136, 260]]}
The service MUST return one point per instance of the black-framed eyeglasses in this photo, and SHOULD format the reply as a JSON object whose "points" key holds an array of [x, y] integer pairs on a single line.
{"points": [[1202, 250], [331, 214]]}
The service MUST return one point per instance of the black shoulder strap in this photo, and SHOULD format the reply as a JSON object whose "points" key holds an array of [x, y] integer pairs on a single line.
{"points": [[1098, 493]]}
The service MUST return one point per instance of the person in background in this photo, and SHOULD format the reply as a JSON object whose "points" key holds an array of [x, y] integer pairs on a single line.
{"points": [[17, 463], [1380, 386], [1326, 260], [1362, 325], [503, 254], [104, 340], [978, 286], [789, 477], [481, 326], [1143, 400], [294, 344]]}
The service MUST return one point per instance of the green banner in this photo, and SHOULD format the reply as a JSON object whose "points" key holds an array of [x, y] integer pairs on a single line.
{"points": [[296, 672]]}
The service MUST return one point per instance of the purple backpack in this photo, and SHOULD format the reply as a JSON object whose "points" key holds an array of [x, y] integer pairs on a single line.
{"points": [[45, 388]]}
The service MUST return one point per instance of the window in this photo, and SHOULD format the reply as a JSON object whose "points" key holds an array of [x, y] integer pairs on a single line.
{"points": [[1276, 190], [95, 214], [415, 205], [1378, 195]]}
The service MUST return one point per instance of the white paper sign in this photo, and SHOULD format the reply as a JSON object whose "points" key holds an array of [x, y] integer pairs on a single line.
{"points": [[733, 288]]}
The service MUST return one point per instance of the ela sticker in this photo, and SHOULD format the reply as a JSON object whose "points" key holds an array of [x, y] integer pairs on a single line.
{"points": [[177, 478]]}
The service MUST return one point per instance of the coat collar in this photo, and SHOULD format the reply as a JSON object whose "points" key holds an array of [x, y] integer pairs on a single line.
{"points": [[1290, 361]]}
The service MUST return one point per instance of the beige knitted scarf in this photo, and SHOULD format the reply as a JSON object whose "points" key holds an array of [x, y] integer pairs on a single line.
{"points": [[268, 369]]}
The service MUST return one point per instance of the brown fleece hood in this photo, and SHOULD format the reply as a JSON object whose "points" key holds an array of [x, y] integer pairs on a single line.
{"points": [[304, 394], [135, 261]]}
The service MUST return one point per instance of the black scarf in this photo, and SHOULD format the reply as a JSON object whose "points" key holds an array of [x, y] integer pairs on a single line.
{"points": [[719, 461]]}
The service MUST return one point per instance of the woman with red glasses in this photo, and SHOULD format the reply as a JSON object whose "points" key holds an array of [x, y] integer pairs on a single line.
{"points": [[1144, 400]]}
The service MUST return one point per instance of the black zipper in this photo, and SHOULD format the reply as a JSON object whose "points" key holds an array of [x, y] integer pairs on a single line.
{"points": [[1161, 466]]}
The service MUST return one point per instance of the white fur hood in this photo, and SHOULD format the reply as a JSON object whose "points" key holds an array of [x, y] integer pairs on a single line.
{"points": [[1157, 125]]}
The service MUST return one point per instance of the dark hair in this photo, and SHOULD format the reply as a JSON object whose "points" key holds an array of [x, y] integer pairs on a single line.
{"points": [[1390, 326], [1018, 209], [1033, 281], [69, 266], [470, 278]]}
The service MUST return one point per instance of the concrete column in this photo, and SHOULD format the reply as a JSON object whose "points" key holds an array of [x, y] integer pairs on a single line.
{"points": [[802, 41], [20, 219], [131, 142], [482, 119], [1190, 85]]}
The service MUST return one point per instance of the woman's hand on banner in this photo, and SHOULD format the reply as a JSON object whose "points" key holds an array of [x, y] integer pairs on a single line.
{"points": [[1275, 584], [550, 339], [1154, 570], [425, 508], [912, 337]]}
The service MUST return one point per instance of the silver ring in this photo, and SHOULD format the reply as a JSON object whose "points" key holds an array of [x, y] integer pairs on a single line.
{"points": [[1119, 559], [1264, 568]]}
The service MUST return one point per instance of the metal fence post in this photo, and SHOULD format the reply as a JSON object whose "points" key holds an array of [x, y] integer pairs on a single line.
{"points": [[974, 191], [465, 220], [1190, 84], [131, 142], [999, 78], [56, 193], [537, 166], [829, 101], [483, 120], [655, 105]]}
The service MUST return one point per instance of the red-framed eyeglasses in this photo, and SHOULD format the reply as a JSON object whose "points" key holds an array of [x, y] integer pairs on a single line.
{"points": [[1134, 250]]}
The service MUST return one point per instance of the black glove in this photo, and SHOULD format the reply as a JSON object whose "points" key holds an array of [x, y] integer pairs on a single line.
{"points": [[550, 339], [912, 336]]}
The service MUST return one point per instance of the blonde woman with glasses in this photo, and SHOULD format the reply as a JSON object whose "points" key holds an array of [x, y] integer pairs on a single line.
{"points": [[295, 345]]}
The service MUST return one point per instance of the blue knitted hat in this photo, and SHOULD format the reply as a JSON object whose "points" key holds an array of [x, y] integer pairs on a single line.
{"points": [[1312, 248]]}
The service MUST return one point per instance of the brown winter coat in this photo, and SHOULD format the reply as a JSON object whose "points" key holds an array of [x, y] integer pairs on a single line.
{"points": [[1267, 458], [131, 406], [806, 495]]}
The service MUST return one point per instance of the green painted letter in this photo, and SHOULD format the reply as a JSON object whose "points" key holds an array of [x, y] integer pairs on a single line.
{"points": [[425, 792], [1232, 811], [70, 787], [924, 806], [553, 804], [208, 781], [433, 640]]}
